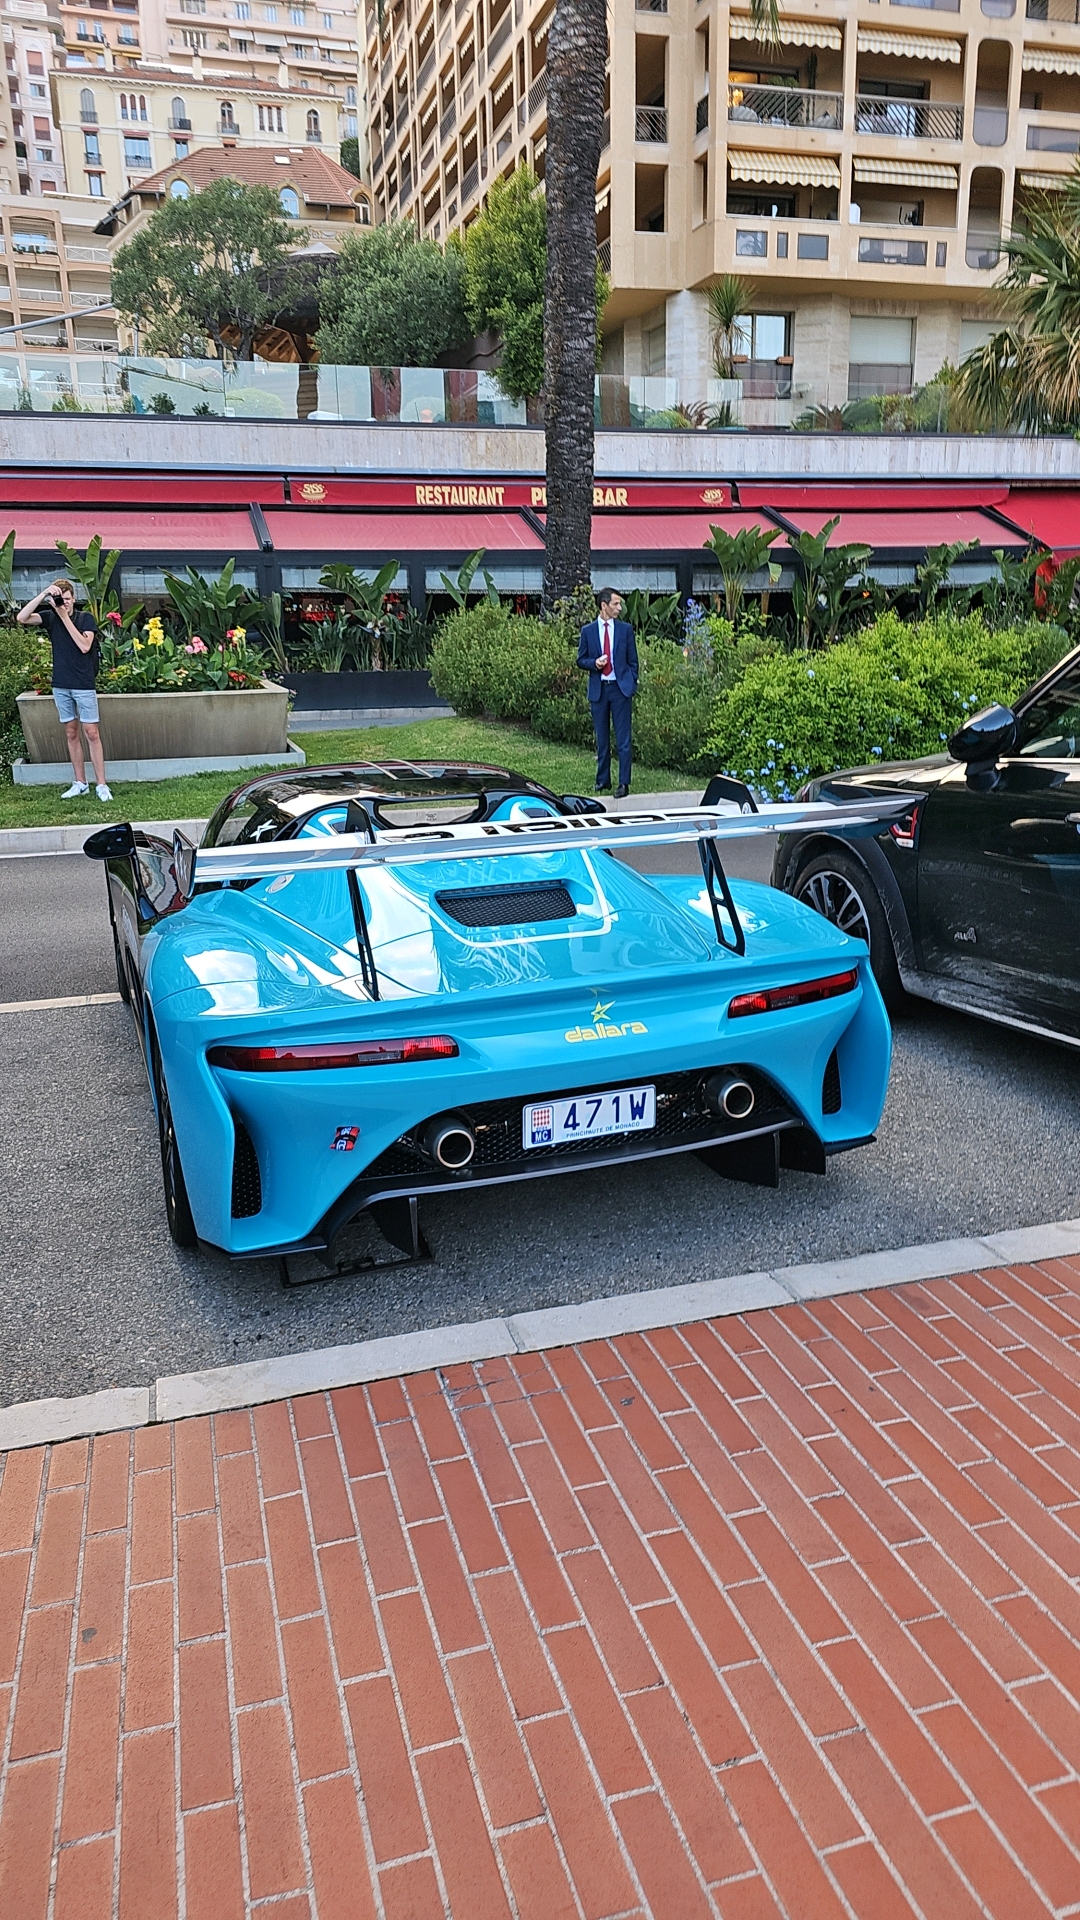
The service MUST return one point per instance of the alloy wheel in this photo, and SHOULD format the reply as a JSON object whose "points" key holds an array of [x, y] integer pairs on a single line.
{"points": [[833, 896]]}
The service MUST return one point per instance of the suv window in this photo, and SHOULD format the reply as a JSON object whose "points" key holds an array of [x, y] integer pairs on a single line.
{"points": [[1050, 730]]}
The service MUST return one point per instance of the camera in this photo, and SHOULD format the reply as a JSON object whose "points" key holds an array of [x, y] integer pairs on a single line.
{"points": [[56, 600]]}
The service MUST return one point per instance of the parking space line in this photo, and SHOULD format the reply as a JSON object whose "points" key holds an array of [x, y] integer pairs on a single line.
{"points": [[65, 1000]]}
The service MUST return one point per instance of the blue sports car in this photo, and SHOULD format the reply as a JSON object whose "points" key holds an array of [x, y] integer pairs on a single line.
{"points": [[374, 982]]}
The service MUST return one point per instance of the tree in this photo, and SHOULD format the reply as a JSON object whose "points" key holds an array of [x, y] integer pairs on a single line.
{"points": [[1028, 375], [505, 259], [393, 301], [349, 155], [577, 54], [729, 298], [213, 266]]}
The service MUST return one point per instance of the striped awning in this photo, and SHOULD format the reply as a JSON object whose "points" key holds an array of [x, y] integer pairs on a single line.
{"points": [[906, 173], [1050, 60], [910, 46], [789, 169], [794, 33], [1045, 182]]}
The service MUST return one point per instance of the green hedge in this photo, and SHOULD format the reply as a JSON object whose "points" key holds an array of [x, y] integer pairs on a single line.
{"points": [[23, 665], [488, 662], [893, 692]]}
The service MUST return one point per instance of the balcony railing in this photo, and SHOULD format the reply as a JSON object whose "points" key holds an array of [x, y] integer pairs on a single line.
{"points": [[701, 114], [470, 183], [605, 133], [500, 36], [448, 121], [603, 254], [425, 73], [983, 251], [1066, 10], [176, 123], [892, 253], [650, 6], [868, 379], [784, 107], [88, 116], [907, 119], [650, 124], [763, 379], [538, 92]]}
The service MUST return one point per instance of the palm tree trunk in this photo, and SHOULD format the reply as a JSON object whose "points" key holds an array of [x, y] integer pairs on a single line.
{"points": [[577, 51]]}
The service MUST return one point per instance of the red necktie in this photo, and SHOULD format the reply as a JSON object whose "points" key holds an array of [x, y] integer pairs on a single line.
{"points": [[607, 648]]}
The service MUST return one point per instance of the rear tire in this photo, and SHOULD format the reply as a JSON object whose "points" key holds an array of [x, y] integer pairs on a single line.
{"points": [[837, 885], [177, 1205]]}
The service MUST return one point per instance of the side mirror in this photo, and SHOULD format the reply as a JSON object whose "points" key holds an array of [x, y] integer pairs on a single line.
{"points": [[111, 843], [577, 803], [985, 737], [183, 865], [723, 787]]}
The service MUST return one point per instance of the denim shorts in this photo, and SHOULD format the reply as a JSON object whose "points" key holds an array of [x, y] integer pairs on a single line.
{"points": [[76, 703]]}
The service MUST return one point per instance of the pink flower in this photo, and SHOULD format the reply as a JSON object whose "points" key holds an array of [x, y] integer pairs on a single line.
{"points": [[115, 619], [195, 645]]}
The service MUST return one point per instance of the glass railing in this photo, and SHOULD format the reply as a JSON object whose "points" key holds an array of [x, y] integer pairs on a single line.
{"points": [[765, 396]]}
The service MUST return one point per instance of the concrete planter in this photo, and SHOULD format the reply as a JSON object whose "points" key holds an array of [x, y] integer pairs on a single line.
{"points": [[149, 736], [322, 692]]}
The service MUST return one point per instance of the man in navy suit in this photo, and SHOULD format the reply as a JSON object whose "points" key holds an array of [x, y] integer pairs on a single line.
{"points": [[608, 654]]}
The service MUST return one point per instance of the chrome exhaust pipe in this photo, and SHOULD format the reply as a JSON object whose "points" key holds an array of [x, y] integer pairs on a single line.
{"points": [[449, 1141], [730, 1095]]}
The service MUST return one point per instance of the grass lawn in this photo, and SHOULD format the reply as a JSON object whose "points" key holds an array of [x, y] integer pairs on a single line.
{"points": [[563, 769]]}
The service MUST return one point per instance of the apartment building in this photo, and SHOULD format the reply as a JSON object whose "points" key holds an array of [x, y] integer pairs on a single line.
{"points": [[34, 161], [859, 175], [52, 264]]}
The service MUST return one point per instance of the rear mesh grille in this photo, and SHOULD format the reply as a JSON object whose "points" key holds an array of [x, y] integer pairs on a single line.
{"points": [[507, 906], [681, 1115], [832, 1094], [246, 1179]]}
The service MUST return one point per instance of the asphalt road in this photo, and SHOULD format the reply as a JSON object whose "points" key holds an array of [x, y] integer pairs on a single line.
{"points": [[981, 1132]]}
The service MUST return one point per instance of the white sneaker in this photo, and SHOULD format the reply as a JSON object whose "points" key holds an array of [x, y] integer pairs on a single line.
{"points": [[103, 792], [75, 791]]}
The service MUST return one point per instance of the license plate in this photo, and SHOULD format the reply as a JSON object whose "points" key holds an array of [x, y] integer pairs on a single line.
{"points": [[588, 1116]]}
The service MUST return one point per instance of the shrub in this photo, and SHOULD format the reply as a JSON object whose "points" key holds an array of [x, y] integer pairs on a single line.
{"points": [[892, 692], [489, 662], [24, 668]]}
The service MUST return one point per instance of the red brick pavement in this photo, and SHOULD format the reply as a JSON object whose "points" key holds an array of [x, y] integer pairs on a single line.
{"points": [[777, 1614]]}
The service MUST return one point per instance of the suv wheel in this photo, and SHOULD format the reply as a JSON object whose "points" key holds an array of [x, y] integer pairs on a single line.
{"points": [[838, 886]]}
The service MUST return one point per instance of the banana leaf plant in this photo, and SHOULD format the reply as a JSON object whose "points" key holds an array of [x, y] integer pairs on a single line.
{"points": [[213, 609], [368, 616], [460, 589], [826, 585], [739, 556]]}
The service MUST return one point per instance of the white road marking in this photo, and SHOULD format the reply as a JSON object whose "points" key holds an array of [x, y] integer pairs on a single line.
{"points": [[66, 1000]]}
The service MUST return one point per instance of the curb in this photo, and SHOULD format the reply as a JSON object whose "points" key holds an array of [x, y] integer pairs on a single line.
{"points": [[30, 840], [35, 1423]]}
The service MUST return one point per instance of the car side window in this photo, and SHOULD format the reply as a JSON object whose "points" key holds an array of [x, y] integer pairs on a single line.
{"points": [[1050, 730], [253, 820]]}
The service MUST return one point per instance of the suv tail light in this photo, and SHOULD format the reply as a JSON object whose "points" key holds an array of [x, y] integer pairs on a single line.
{"points": [[333, 1053], [776, 999], [905, 831]]}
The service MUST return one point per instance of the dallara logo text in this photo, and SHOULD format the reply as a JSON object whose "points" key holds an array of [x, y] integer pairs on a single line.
{"points": [[602, 1028]]}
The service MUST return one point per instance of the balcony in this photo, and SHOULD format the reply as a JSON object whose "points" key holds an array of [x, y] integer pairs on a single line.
{"points": [[983, 250], [470, 183], [1051, 139], [907, 119], [88, 116], [603, 251], [1064, 10], [650, 6], [448, 121], [500, 37], [229, 130], [701, 114], [313, 139], [783, 107], [891, 253], [650, 124], [764, 379], [538, 92], [176, 124]]}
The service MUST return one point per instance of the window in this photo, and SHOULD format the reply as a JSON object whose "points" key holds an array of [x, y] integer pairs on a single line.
{"points": [[348, 126], [178, 114], [813, 246], [87, 105], [195, 39], [43, 153], [95, 186], [761, 206], [35, 62], [92, 147], [37, 93], [1050, 730], [314, 129], [300, 52], [182, 149], [296, 16], [271, 119], [328, 22], [764, 336], [48, 186], [243, 10], [754, 245], [270, 13], [654, 348], [350, 96], [227, 115], [290, 203], [179, 190], [137, 151], [42, 129], [193, 6]]}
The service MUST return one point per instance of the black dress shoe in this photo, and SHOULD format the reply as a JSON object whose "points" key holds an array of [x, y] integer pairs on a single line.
{"points": [[622, 793], [606, 788]]}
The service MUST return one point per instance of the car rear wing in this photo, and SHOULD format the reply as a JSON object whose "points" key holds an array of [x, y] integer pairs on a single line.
{"points": [[582, 833]]}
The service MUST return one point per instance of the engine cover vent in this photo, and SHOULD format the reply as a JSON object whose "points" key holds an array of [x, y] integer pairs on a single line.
{"points": [[507, 906], [832, 1094]]}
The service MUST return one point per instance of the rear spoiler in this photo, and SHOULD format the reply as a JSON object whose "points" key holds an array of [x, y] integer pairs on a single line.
{"points": [[583, 833]]}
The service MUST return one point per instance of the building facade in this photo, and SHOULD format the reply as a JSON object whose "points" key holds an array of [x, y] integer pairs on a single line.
{"points": [[29, 52], [52, 264], [859, 175]]}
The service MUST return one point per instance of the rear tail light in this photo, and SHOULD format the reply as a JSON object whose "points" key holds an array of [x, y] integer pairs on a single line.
{"points": [[905, 831], [776, 999], [333, 1053]]}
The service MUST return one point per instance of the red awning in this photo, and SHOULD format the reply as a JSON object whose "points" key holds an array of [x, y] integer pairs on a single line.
{"points": [[859, 496], [632, 533], [1053, 517], [308, 531], [164, 533], [33, 487], [908, 532]]}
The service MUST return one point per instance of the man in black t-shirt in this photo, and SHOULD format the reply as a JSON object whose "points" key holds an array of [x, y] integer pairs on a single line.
{"points": [[75, 654]]}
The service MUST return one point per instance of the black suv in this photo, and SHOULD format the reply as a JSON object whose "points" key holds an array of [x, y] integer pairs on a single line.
{"points": [[973, 897]]}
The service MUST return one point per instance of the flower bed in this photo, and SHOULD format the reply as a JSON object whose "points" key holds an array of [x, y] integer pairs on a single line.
{"points": [[209, 724]]}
